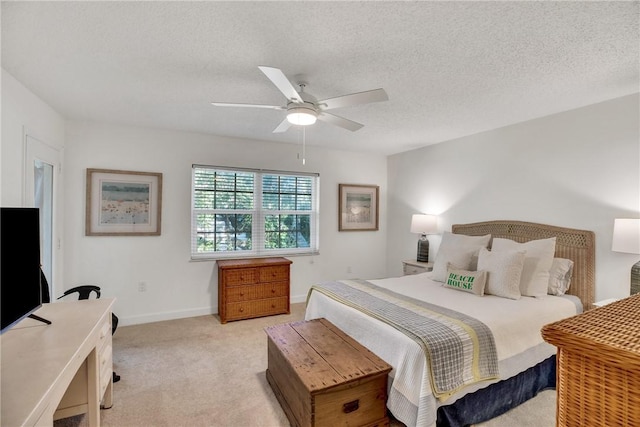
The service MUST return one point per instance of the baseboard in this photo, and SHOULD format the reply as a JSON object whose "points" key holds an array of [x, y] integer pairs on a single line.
{"points": [[167, 315], [172, 315], [298, 298]]}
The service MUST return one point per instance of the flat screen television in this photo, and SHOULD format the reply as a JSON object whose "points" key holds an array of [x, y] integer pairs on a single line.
{"points": [[20, 292]]}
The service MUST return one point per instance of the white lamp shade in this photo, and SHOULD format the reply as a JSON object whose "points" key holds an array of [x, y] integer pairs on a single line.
{"points": [[424, 224], [626, 235]]}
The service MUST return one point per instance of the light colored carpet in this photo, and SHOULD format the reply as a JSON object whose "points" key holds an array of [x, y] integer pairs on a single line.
{"points": [[198, 372]]}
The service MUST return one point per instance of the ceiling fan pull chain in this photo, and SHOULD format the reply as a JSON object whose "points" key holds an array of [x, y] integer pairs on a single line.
{"points": [[304, 144]]}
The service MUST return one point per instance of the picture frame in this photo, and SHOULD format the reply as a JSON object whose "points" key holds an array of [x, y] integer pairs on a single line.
{"points": [[123, 203], [358, 207]]}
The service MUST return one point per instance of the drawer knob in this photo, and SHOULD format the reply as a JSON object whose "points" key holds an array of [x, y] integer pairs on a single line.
{"points": [[241, 294], [273, 291], [241, 309], [273, 306]]}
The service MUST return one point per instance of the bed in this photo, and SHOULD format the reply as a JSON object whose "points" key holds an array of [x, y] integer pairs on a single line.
{"points": [[522, 363]]}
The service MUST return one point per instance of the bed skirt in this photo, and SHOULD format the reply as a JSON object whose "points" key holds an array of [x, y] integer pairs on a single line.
{"points": [[500, 397]]}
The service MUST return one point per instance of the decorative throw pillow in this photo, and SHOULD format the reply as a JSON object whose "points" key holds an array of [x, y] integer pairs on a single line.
{"points": [[504, 269], [560, 276], [537, 263], [465, 280], [457, 249]]}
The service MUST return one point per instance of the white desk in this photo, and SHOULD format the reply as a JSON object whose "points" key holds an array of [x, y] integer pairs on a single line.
{"points": [[43, 365]]}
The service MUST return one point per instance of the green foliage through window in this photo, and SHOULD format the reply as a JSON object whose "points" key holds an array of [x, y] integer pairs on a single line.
{"points": [[252, 212]]}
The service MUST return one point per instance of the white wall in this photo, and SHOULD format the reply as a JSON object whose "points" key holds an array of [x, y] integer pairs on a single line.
{"points": [[176, 286], [23, 113], [577, 169]]}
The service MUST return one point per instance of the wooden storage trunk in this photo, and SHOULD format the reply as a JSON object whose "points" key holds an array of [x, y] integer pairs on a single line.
{"points": [[598, 378], [323, 377]]}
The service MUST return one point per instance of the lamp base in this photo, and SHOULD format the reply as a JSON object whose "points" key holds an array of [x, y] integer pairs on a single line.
{"points": [[635, 278], [423, 251]]}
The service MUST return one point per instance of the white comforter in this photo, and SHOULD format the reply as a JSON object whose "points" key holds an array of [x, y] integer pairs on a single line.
{"points": [[515, 324]]}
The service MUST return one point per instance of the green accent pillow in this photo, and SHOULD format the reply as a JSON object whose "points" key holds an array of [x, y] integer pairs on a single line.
{"points": [[464, 280]]}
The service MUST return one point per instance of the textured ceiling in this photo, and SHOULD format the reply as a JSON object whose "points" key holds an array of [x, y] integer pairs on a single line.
{"points": [[450, 68]]}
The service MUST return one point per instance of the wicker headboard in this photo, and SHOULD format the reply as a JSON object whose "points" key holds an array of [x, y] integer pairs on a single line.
{"points": [[571, 243]]}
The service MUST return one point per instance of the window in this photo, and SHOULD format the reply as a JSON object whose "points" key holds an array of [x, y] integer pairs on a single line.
{"points": [[246, 212]]}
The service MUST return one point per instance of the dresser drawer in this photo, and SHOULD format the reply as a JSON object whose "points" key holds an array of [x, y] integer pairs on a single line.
{"points": [[243, 310], [412, 269], [241, 276], [274, 273], [253, 292], [415, 267]]}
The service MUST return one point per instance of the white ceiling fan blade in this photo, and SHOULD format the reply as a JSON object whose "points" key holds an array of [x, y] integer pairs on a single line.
{"points": [[283, 84], [283, 126], [227, 104], [366, 97], [339, 121]]}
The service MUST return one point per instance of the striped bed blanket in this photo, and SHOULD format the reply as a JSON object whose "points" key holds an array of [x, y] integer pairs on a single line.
{"points": [[460, 350]]}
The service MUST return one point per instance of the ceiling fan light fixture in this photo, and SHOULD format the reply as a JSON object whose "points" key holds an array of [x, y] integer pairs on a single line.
{"points": [[301, 116]]}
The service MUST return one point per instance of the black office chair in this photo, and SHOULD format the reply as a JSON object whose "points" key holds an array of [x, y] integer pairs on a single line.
{"points": [[84, 292]]}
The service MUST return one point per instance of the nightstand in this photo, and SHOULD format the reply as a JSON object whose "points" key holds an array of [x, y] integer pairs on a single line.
{"points": [[415, 267]]}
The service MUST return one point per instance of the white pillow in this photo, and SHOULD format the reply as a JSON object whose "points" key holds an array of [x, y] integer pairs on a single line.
{"points": [[537, 263], [560, 276], [467, 281], [457, 249], [504, 270]]}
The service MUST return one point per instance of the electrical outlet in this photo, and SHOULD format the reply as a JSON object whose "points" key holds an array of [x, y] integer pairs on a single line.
{"points": [[142, 286]]}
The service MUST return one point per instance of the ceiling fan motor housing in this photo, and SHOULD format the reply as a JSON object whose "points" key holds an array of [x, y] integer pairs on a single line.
{"points": [[302, 113]]}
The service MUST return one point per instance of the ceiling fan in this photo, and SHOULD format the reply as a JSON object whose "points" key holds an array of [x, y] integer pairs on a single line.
{"points": [[303, 109]]}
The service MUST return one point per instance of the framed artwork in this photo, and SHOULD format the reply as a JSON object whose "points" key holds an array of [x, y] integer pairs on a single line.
{"points": [[358, 207], [123, 203]]}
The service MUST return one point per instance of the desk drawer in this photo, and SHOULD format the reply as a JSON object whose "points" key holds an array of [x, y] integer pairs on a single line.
{"points": [[105, 333], [105, 360]]}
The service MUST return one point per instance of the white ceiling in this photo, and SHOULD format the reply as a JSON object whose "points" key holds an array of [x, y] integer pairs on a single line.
{"points": [[450, 68]]}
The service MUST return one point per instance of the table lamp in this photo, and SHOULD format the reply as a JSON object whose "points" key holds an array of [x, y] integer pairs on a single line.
{"points": [[626, 238], [424, 224]]}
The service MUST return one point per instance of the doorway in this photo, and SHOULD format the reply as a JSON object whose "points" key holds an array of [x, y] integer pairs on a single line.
{"points": [[42, 172]]}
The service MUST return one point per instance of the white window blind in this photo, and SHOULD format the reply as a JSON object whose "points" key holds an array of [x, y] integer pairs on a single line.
{"points": [[248, 212]]}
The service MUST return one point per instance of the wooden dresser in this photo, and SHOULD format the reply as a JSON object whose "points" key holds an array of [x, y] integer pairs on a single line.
{"points": [[598, 378], [252, 287]]}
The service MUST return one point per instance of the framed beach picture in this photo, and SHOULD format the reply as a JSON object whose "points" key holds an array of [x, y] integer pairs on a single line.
{"points": [[123, 203], [358, 207]]}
